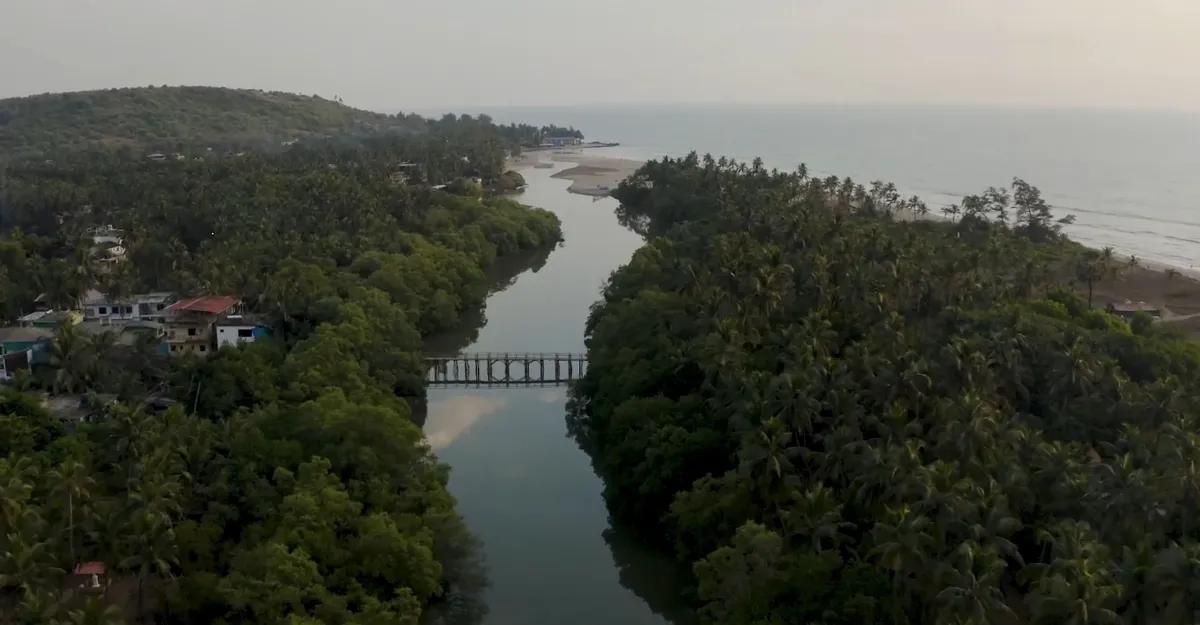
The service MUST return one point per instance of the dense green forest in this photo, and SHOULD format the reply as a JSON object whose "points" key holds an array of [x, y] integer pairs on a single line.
{"points": [[169, 118], [833, 415], [289, 482], [194, 120]]}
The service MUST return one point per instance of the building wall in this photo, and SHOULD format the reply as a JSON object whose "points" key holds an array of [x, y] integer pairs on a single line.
{"points": [[133, 310], [13, 347], [179, 341], [233, 335]]}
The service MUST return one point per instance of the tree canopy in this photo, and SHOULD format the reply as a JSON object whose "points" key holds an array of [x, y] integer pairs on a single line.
{"points": [[834, 415], [287, 482]]}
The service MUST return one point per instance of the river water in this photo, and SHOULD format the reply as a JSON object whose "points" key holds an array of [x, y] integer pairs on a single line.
{"points": [[522, 485]]}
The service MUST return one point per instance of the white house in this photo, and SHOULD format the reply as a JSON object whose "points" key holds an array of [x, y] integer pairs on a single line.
{"points": [[146, 307], [235, 329], [102, 235]]}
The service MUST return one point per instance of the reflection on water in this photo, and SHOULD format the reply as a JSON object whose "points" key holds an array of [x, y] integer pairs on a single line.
{"points": [[501, 276], [523, 487], [447, 418], [654, 577]]}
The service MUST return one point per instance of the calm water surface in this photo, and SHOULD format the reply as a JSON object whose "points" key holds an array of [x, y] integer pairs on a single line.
{"points": [[525, 488]]}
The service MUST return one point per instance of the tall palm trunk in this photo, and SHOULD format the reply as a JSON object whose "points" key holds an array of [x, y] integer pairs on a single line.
{"points": [[71, 525]]}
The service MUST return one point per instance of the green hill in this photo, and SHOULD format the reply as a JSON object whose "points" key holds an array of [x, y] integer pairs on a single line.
{"points": [[167, 118]]}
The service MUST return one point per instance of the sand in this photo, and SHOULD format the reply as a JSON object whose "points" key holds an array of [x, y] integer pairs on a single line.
{"points": [[596, 176]]}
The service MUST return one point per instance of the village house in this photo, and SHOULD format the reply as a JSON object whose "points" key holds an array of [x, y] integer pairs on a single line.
{"points": [[20, 347], [128, 332], [49, 319], [107, 256], [107, 234], [190, 323], [147, 306], [235, 329], [89, 577]]}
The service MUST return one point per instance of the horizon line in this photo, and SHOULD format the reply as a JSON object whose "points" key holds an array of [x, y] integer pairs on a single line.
{"points": [[467, 108]]}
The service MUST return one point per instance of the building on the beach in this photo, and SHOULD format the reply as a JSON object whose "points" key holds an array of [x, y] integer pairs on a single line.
{"points": [[1128, 309], [233, 330], [191, 323], [559, 142]]}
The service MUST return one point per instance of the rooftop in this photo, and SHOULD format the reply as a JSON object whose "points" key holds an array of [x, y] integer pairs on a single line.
{"points": [[213, 304], [56, 316], [17, 334], [155, 297], [96, 326], [89, 568], [33, 316], [1129, 307], [242, 321], [93, 297]]}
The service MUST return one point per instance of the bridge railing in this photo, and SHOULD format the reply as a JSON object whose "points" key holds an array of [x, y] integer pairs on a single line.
{"points": [[511, 356], [504, 368]]}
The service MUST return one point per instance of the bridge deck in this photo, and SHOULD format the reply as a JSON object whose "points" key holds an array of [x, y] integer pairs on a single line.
{"points": [[486, 369]]}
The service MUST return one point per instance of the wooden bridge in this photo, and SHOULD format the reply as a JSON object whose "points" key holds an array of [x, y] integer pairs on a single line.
{"points": [[504, 369]]}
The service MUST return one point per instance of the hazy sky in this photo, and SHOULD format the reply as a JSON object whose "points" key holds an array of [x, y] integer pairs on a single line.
{"points": [[390, 54]]}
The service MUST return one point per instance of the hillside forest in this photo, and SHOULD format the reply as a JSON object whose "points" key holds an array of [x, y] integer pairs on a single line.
{"points": [[199, 121], [835, 415], [283, 481]]}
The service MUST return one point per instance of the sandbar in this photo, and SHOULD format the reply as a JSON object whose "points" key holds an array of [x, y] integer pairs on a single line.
{"points": [[597, 176]]}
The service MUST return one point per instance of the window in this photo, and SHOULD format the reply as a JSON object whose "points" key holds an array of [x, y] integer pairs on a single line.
{"points": [[202, 348], [191, 331], [129, 310], [103, 310], [174, 348], [245, 334], [162, 306]]}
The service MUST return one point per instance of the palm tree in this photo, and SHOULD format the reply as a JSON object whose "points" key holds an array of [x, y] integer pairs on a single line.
{"points": [[971, 592], [117, 286], [71, 355], [73, 483], [152, 551], [1175, 579], [96, 611]]}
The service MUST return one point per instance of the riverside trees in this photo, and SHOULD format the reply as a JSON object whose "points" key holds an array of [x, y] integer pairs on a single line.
{"points": [[838, 417], [289, 484]]}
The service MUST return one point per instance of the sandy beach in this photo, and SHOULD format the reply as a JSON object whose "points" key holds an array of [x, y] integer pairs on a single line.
{"points": [[596, 176]]}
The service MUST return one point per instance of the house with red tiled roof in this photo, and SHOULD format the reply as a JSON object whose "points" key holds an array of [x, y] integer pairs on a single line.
{"points": [[190, 323]]}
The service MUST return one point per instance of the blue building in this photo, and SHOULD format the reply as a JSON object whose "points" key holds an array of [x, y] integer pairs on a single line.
{"points": [[235, 329]]}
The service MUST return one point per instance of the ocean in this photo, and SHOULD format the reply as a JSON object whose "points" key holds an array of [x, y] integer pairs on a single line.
{"points": [[1131, 178]]}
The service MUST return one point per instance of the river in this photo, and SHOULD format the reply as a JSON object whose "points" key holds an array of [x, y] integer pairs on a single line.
{"points": [[522, 485]]}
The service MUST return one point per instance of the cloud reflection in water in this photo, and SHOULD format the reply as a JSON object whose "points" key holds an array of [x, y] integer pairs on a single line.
{"points": [[451, 417]]}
